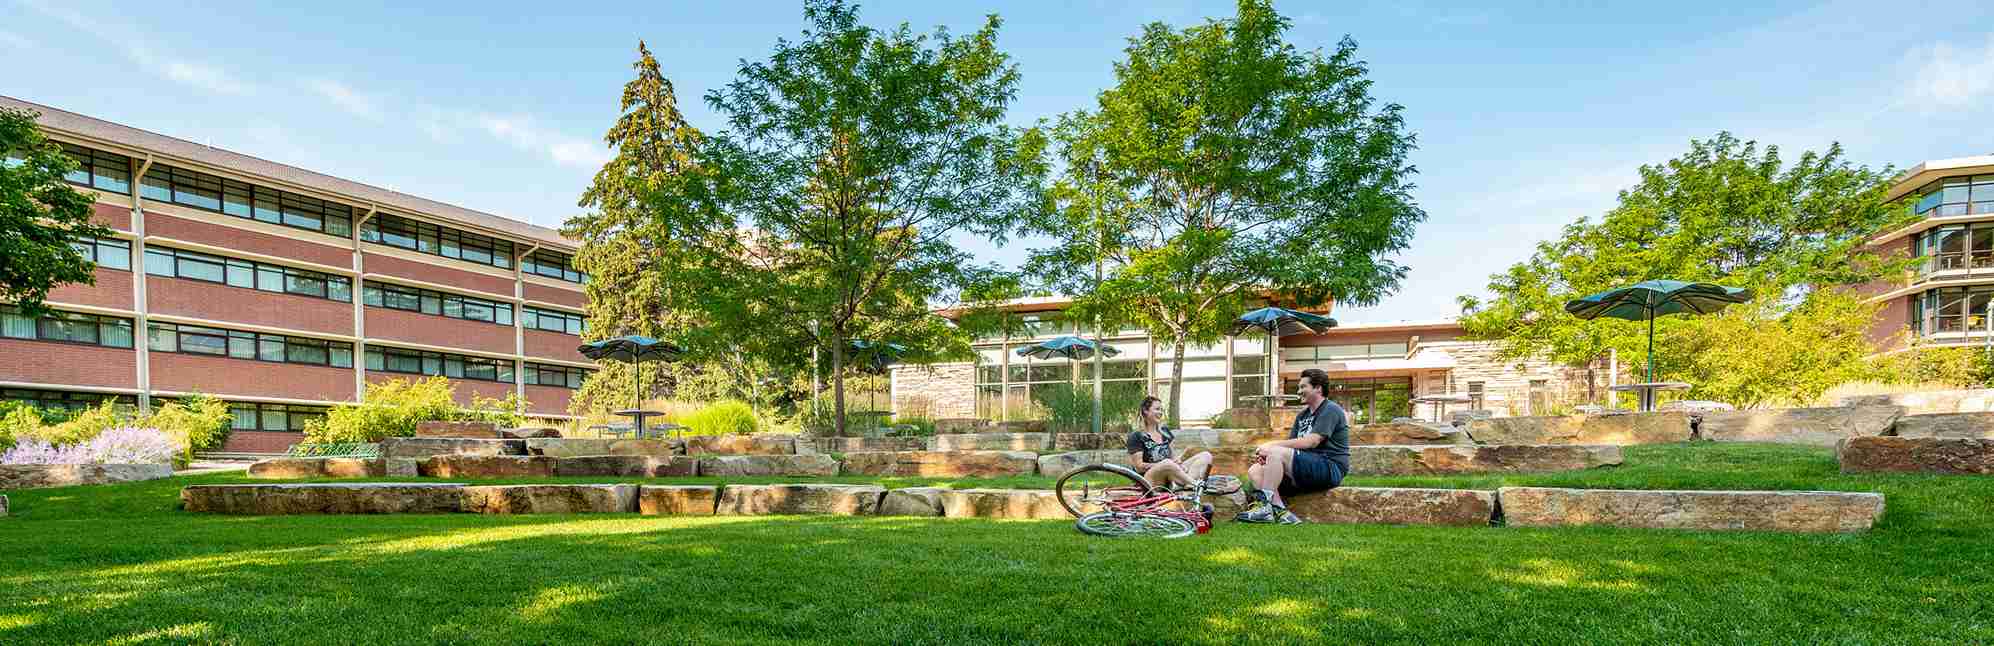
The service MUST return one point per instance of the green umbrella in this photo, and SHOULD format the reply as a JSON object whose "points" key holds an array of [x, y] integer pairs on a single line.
{"points": [[1653, 298]]}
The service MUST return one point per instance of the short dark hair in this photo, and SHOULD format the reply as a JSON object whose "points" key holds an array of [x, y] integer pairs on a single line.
{"points": [[1316, 377], [1146, 403]]}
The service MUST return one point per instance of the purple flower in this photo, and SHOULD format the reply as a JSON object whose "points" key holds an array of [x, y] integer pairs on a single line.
{"points": [[124, 445]]}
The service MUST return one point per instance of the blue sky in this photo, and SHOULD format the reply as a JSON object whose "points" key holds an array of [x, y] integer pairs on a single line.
{"points": [[1529, 115]]}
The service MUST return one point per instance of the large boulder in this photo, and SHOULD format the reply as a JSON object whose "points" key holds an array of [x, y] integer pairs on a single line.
{"points": [[842, 500], [566, 447], [960, 425], [1781, 511], [1451, 507], [1053, 465], [1001, 503], [488, 466], [1978, 426], [1085, 441], [1930, 401], [673, 500], [1402, 433], [625, 466], [467, 430], [1020, 426], [300, 468], [912, 501], [33, 476], [993, 442], [856, 444], [324, 498], [740, 445], [423, 447], [1638, 428], [768, 465], [1508, 458], [530, 433], [1811, 426], [551, 499], [942, 464], [1916, 455]]}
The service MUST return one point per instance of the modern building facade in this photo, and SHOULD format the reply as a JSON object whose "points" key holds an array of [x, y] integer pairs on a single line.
{"points": [[1376, 371], [1943, 300], [283, 290]]}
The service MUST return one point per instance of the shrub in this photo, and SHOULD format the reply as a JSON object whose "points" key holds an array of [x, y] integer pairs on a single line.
{"points": [[505, 412], [1070, 408], [123, 445], [199, 422], [731, 417], [85, 425], [392, 409], [18, 422]]}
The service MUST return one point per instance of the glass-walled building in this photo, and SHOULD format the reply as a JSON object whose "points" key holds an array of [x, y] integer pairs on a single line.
{"points": [[1944, 299]]}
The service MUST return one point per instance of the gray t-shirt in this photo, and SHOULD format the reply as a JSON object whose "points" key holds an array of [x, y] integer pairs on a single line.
{"points": [[1329, 421]]}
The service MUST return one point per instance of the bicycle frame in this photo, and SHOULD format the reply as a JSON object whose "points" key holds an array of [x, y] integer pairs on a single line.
{"points": [[1154, 505]]}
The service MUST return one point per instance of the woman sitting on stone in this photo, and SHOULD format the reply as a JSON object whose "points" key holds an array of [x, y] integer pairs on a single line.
{"points": [[1150, 453]]}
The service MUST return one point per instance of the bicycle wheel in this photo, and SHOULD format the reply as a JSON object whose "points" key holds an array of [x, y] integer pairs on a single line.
{"points": [[1107, 523], [1084, 489]]}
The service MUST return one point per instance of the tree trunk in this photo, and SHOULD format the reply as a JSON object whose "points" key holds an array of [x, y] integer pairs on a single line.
{"points": [[838, 379], [1176, 380]]}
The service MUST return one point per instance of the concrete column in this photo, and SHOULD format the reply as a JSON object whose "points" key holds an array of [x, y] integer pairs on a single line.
{"points": [[141, 337], [359, 311]]}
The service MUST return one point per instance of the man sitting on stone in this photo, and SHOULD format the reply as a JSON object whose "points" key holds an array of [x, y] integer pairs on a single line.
{"points": [[1315, 457]]}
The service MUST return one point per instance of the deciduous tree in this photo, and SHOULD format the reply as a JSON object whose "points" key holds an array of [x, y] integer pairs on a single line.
{"points": [[41, 216]]}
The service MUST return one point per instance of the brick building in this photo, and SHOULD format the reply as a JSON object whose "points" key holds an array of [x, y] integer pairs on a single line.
{"points": [[282, 291], [1944, 299]]}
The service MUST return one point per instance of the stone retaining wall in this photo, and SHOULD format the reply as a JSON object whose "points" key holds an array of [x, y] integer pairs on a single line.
{"points": [[1512, 458], [550, 499], [939, 464], [1957, 456], [1955, 425], [1930, 402], [1375, 505], [1812, 426], [36, 476], [1637, 428], [1781, 511], [574, 446], [424, 447], [469, 430], [487, 466], [299, 468], [341, 498], [785, 499], [1404, 433]]}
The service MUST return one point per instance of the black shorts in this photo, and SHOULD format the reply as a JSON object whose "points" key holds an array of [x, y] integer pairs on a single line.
{"points": [[1311, 473]]}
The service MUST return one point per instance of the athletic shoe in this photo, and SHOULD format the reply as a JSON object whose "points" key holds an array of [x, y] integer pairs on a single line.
{"points": [[1262, 514], [1286, 517], [1221, 485], [1248, 512]]}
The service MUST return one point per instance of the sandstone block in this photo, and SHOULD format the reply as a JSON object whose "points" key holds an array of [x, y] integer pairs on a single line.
{"points": [[1959, 456], [1931, 401], [842, 500], [423, 447], [1053, 465], [528, 433], [324, 498], [912, 501], [1822, 426], [466, 430], [1020, 426], [1508, 458], [568, 447], [993, 442], [942, 464], [34, 476], [1390, 506], [297, 468], [768, 465], [487, 466], [1978, 426], [551, 499], [740, 445], [1638, 428], [856, 444], [1781, 511], [401, 467], [1403, 433], [960, 425], [629, 466], [673, 500], [1001, 503], [1082, 441]]}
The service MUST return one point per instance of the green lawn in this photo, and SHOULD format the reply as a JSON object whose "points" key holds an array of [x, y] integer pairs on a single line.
{"points": [[120, 564]]}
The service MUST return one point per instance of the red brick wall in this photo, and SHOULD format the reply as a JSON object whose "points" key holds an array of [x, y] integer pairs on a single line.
{"points": [[1887, 330], [553, 345], [462, 390], [548, 400], [111, 215], [46, 362], [569, 297], [113, 289], [1895, 249], [432, 329], [392, 266], [226, 377], [215, 301], [158, 224], [261, 441]]}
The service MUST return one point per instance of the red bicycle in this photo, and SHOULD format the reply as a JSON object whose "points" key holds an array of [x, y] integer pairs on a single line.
{"points": [[1114, 500]]}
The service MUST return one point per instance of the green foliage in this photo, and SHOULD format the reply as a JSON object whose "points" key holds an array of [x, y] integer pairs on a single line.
{"points": [[1069, 408], [392, 408], [40, 215], [1727, 212], [1958, 367], [198, 423], [722, 418], [1225, 166], [18, 420], [507, 411], [85, 424]]}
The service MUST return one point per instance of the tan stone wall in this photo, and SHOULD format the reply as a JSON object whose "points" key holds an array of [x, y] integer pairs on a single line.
{"points": [[1506, 383], [948, 389]]}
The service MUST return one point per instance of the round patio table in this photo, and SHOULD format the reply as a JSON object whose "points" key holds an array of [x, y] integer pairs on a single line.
{"points": [[639, 414], [1646, 391], [1440, 402]]}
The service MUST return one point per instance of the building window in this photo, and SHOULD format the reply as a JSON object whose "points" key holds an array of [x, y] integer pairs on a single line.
{"points": [[408, 233], [428, 302], [175, 263], [99, 170], [237, 344], [1957, 196], [539, 374], [272, 417], [1367, 400], [553, 321], [66, 327], [247, 201], [1951, 310], [64, 401], [1476, 391], [455, 366], [552, 265], [109, 253]]}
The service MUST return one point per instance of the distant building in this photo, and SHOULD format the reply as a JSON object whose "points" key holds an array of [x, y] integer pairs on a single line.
{"points": [[1376, 369], [1944, 299]]}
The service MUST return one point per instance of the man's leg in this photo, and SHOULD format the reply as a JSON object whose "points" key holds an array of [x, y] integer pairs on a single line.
{"points": [[1280, 460]]}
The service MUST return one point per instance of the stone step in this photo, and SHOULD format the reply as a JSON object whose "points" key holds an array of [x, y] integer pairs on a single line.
{"points": [[1972, 426], [991, 442], [768, 465], [1782, 511], [1637, 428], [469, 430], [35, 476], [324, 498], [577, 446], [942, 464], [912, 501], [676, 500], [788, 499], [487, 466], [1002, 503], [300, 468], [857, 444], [424, 447], [1823, 426], [1397, 506], [740, 445], [551, 499], [1942, 455], [1512, 458], [1407, 433], [635, 466]]}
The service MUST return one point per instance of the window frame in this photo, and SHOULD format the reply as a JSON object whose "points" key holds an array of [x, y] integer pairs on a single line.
{"points": [[502, 370], [257, 273], [503, 313], [99, 324], [245, 200], [257, 341]]}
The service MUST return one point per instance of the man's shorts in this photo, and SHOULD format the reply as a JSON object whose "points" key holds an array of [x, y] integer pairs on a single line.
{"points": [[1311, 473]]}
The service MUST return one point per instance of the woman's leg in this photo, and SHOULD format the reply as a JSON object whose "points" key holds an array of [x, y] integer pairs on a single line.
{"points": [[1167, 474]]}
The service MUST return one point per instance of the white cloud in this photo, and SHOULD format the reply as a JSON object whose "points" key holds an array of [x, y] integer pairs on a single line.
{"points": [[197, 74], [522, 133], [1950, 77], [346, 98]]}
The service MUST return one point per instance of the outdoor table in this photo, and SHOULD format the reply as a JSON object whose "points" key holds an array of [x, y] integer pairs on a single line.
{"points": [[639, 414], [1440, 401], [660, 429], [1646, 392]]}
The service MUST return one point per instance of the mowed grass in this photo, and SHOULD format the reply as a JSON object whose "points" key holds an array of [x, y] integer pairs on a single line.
{"points": [[121, 564]]}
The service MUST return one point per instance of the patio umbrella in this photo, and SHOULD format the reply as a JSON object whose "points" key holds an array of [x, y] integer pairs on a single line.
{"points": [[1278, 322], [1654, 298], [1074, 348], [874, 358], [635, 350]]}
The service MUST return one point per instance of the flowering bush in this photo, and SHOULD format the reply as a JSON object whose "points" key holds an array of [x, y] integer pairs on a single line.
{"points": [[123, 445]]}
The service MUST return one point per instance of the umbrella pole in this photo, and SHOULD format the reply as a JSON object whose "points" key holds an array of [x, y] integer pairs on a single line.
{"points": [[1651, 347]]}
